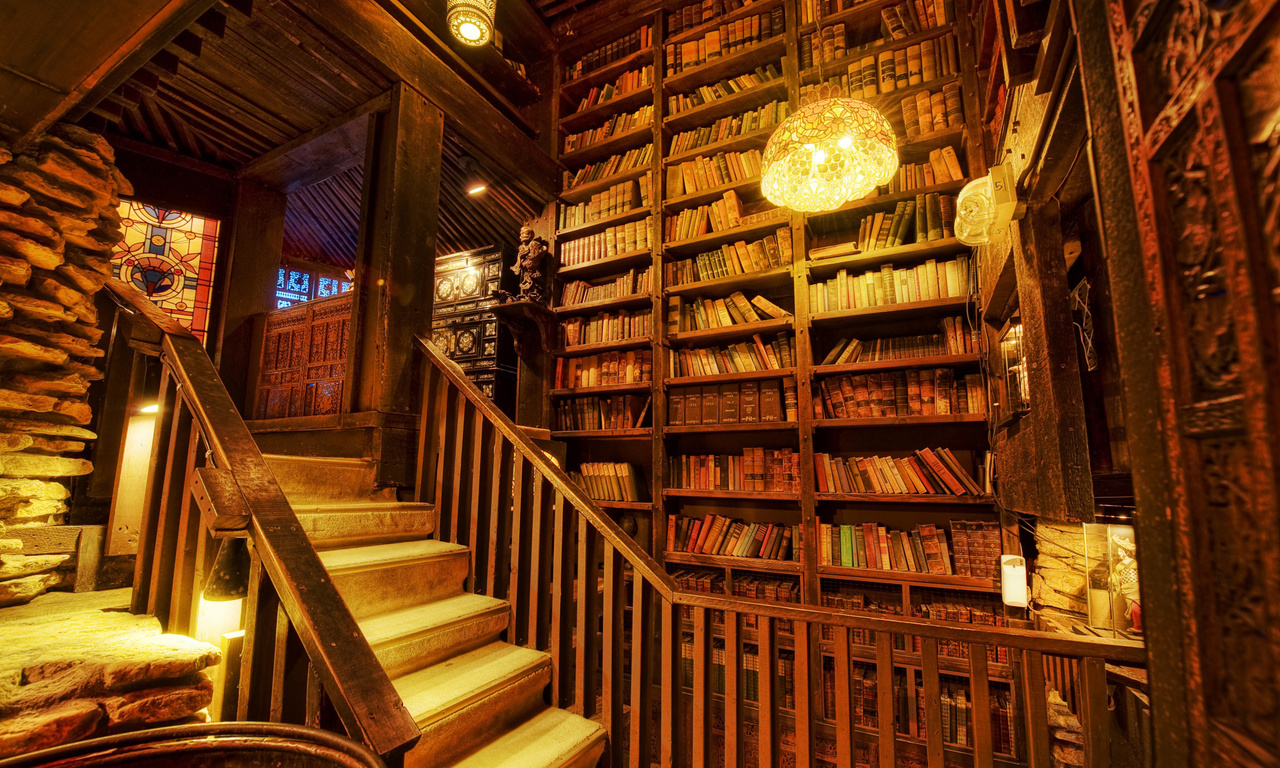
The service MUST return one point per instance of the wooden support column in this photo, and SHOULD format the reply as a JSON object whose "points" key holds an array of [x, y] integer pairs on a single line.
{"points": [[402, 180], [257, 236]]}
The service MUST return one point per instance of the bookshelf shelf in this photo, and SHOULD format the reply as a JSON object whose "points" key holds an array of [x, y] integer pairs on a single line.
{"points": [[811, 75], [868, 205], [751, 426], [723, 286], [727, 105], [741, 61], [583, 192], [728, 378], [971, 419], [750, 9], [911, 252], [592, 307], [691, 493], [639, 433], [932, 361], [707, 195], [730, 332], [734, 563], [917, 148], [713, 240], [580, 85], [634, 506], [881, 499], [601, 224], [605, 346], [598, 113], [756, 138], [605, 266], [604, 389], [615, 144], [876, 575], [915, 309]]}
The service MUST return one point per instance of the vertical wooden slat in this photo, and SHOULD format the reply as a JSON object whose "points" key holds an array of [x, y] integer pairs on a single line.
{"points": [[256, 659], [186, 560], [732, 695], [980, 695], [473, 513], [586, 668], [435, 390], [612, 687], [701, 688], [844, 697], [1036, 707], [805, 691], [561, 609], [932, 702], [463, 412], [518, 587], [1092, 688], [279, 664], [536, 565], [315, 698], [669, 728], [769, 698], [642, 649], [172, 500], [884, 699], [144, 570], [499, 512]]}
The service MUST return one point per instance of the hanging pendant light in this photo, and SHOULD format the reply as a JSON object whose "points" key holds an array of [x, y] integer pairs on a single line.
{"points": [[471, 21], [827, 153]]}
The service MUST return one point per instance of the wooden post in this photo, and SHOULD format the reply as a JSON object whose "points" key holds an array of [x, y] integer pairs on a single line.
{"points": [[396, 267]]}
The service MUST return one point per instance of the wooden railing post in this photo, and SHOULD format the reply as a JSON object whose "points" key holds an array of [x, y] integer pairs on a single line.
{"points": [[145, 569], [588, 642], [175, 497], [612, 688], [768, 664], [258, 657], [732, 689], [1035, 708], [559, 612], [671, 731], [888, 733], [643, 627], [1095, 717], [980, 692], [701, 734]]}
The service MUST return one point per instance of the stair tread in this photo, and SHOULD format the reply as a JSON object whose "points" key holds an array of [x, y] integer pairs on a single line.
{"points": [[420, 619], [441, 689], [329, 461], [553, 737], [372, 555], [332, 507]]}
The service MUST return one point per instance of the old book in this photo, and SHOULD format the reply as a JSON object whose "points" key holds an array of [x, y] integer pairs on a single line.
{"points": [[710, 404], [900, 68], [769, 308], [749, 402], [770, 401], [933, 215]]}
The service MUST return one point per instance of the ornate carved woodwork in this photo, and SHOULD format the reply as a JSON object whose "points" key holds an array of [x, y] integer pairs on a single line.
{"points": [[304, 360]]}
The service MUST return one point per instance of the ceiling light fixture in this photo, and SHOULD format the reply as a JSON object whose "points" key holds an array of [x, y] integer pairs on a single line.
{"points": [[473, 181], [471, 21]]}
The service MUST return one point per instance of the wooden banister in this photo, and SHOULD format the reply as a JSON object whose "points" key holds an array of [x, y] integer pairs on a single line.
{"points": [[285, 562]]}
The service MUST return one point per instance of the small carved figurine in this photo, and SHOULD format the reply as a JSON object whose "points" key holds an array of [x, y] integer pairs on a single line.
{"points": [[529, 266]]}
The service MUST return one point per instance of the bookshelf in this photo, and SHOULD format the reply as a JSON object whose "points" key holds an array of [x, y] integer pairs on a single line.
{"points": [[905, 336]]}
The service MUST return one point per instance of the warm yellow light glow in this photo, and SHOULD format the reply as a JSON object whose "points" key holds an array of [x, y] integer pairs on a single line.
{"points": [[828, 153], [153, 408], [471, 21], [215, 618], [476, 189]]}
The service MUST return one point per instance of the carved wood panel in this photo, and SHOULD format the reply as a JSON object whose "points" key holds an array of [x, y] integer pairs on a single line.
{"points": [[304, 360]]}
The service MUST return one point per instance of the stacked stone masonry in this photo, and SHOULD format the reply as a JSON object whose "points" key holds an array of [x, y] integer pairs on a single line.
{"points": [[58, 224]]}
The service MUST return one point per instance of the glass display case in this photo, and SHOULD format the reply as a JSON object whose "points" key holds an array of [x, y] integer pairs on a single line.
{"points": [[1015, 392], [1111, 563]]}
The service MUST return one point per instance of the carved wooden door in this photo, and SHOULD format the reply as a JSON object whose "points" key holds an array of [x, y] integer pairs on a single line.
{"points": [[304, 359], [1196, 86]]}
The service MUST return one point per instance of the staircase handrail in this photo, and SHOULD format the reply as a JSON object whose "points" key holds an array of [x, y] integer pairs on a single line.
{"points": [[357, 684], [643, 564]]}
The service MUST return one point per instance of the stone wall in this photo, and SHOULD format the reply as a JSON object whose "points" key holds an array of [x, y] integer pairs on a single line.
{"points": [[1058, 585], [58, 223]]}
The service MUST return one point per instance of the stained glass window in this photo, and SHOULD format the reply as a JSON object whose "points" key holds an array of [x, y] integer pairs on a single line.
{"points": [[294, 286], [170, 256]]}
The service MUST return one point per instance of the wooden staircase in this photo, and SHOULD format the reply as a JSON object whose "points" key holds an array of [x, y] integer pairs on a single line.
{"points": [[478, 700]]}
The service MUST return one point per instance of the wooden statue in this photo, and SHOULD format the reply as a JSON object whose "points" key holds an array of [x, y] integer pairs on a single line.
{"points": [[529, 266]]}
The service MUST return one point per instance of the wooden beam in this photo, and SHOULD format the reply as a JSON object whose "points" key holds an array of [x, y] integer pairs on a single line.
{"points": [[373, 31]]}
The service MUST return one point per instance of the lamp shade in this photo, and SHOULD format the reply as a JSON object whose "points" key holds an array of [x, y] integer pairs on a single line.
{"points": [[471, 21], [827, 153]]}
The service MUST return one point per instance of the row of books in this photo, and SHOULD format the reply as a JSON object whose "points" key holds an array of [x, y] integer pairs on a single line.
{"points": [[943, 166], [632, 158], [627, 82], [955, 339], [742, 357], [705, 94], [716, 216], [886, 285], [746, 402], [619, 198], [609, 480], [695, 314], [757, 469], [914, 16], [929, 111], [598, 413], [629, 283], [927, 218], [977, 548], [739, 258], [874, 547], [927, 472], [728, 537], [606, 326], [729, 126], [899, 393], [810, 9], [824, 46], [623, 238], [984, 610], [614, 126], [699, 12], [709, 172], [723, 40], [607, 54], [631, 367]]}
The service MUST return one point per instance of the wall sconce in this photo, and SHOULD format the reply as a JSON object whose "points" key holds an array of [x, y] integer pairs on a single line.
{"points": [[153, 408], [1013, 580], [986, 206], [229, 579], [472, 180]]}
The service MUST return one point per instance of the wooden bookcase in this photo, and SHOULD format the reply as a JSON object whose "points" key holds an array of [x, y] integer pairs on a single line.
{"points": [[652, 443]]}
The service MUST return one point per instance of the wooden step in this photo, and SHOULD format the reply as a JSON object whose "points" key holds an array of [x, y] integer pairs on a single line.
{"points": [[325, 480], [349, 524], [553, 738], [462, 702], [421, 635], [379, 578]]}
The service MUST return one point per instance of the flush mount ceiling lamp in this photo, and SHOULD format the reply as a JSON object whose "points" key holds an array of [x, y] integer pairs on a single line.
{"points": [[473, 183], [471, 21], [985, 207], [828, 152]]}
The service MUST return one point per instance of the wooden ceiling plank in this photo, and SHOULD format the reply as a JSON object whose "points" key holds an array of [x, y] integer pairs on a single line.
{"points": [[241, 75], [186, 46], [243, 9], [293, 19], [203, 89], [182, 161], [216, 119], [153, 115], [181, 130], [292, 76], [212, 25], [290, 165], [226, 133]]}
